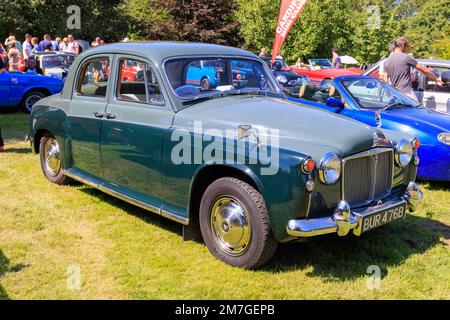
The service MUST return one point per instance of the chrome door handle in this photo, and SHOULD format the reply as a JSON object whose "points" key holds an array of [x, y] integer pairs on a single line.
{"points": [[110, 116], [99, 114]]}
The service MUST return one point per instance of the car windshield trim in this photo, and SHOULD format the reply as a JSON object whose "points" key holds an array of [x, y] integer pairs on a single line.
{"points": [[357, 100], [217, 94]]}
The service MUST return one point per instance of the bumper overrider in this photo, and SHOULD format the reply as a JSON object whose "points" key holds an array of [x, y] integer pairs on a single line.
{"points": [[344, 219]]}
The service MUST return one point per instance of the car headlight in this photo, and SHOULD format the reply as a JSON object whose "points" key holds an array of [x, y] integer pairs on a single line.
{"points": [[282, 79], [330, 168], [403, 152], [444, 138]]}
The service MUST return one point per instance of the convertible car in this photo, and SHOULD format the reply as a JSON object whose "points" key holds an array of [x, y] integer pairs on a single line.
{"points": [[24, 90], [320, 69], [372, 101], [241, 167]]}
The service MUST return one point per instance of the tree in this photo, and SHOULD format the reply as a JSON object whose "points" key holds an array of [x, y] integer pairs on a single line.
{"points": [[106, 18], [195, 20], [429, 30]]}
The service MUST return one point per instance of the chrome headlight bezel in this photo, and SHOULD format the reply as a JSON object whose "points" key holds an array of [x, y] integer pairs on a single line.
{"points": [[403, 153], [330, 168], [282, 79], [444, 138]]}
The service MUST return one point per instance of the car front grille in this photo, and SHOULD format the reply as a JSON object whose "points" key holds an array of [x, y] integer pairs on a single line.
{"points": [[367, 176]]}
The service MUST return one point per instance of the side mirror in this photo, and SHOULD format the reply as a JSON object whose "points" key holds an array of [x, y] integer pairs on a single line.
{"points": [[335, 103]]}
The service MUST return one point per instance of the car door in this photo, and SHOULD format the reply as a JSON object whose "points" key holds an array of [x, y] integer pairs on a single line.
{"points": [[136, 119], [4, 89], [86, 112], [436, 97]]}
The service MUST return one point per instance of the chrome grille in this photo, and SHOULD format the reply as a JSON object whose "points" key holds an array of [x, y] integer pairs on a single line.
{"points": [[367, 176]]}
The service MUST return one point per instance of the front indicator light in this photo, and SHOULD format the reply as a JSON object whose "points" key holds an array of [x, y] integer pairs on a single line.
{"points": [[308, 165], [416, 143]]}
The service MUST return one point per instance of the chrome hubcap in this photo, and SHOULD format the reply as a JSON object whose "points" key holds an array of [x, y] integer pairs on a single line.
{"points": [[230, 226], [52, 160], [31, 100]]}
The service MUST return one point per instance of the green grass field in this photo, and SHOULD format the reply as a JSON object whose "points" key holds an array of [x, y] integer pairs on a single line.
{"points": [[49, 233]]}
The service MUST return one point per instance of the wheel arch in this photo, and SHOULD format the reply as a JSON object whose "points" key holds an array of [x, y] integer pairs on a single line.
{"points": [[206, 175]]}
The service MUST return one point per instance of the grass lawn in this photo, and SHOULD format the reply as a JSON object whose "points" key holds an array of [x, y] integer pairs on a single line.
{"points": [[49, 233]]}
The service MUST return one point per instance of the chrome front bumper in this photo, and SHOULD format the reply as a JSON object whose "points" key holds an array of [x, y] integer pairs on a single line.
{"points": [[344, 220]]}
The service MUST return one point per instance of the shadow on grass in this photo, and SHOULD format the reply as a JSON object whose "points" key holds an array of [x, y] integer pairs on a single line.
{"points": [[17, 150], [438, 185], [147, 216], [331, 257], [5, 268], [347, 258]]}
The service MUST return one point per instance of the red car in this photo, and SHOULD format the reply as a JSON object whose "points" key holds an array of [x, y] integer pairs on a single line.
{"points": [[319, 69]]}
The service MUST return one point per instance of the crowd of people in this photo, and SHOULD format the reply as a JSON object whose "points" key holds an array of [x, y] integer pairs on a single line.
{"points": [[22, 56]]}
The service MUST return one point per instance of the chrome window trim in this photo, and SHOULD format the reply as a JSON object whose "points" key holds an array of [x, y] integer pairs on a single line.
{"points": [[120, 59], [371, 153], [217, 56]]}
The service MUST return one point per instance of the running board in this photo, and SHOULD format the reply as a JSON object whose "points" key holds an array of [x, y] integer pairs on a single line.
{"points": [[121, 196]]}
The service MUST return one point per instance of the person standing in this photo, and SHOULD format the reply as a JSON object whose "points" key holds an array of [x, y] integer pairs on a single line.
{"points": [[27, 47], [63, 46], [336, 59], [73, 46], [35, 45], [398, 66], [263, 53], [46, 44], [13, 56]]}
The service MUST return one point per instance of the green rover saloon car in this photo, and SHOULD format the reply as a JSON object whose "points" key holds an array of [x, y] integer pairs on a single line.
{"points": [[236, 164]]}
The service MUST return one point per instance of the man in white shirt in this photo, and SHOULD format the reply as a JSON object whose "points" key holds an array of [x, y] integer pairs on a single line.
{"points": [[27, 47]]}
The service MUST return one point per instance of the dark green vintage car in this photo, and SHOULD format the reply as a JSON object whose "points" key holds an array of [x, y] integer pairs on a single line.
{"points": [[236, 164]]}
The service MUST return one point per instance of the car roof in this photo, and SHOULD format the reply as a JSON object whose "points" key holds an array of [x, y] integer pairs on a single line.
{"points": [[158, 51], [434, 62]]}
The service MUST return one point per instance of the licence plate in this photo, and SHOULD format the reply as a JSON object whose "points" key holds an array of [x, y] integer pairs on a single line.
{"points": [[383, 217]]}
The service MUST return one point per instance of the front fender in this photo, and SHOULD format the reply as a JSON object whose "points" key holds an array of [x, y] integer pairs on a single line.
{"points": [[48, 119]]}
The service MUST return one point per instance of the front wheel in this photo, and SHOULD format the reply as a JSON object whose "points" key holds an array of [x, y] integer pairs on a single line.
{"points": [[235, 224], [30, 99], [50, 156]]}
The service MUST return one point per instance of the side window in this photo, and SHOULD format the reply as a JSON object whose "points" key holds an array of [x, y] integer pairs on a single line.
{"points": [[93, 78], [137, 82]]}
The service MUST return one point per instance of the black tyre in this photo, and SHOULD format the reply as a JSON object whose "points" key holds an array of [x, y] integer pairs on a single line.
{"points": [[50, 156], [235, 224], [29, 99], [205, 84]]}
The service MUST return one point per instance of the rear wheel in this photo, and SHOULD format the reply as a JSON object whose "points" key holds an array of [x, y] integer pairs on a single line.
{"points": [[50, 156], [235, 224], [30, 99]]}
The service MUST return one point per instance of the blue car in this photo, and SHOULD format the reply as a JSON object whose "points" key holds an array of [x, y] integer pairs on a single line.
{"points": [[374, 102], [24, 89], [208, 74]]}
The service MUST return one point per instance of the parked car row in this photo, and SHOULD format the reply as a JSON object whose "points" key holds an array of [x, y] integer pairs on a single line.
{"points": [[231, 159]]}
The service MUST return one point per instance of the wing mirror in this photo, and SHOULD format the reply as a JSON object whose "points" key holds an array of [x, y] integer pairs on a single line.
{"points": [[335, 103]]}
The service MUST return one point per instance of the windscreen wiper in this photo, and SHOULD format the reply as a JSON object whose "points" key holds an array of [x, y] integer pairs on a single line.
{"points": [[398, 105]]}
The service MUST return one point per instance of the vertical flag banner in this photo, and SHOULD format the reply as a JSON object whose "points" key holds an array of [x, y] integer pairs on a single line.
{"points": [[289, 11]]}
